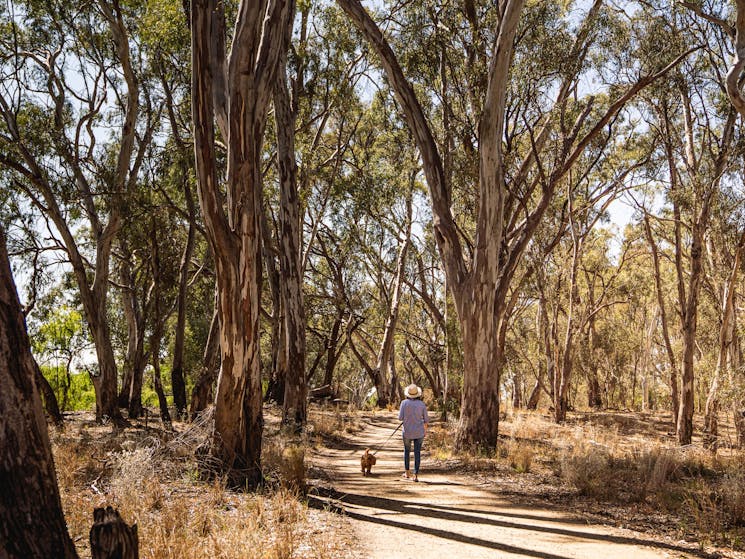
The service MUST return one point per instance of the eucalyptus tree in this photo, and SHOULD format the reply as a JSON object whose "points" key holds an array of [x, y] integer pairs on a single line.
{"points": [[68, 73], [132, 274], [234, 91], [726, 254], [431, 335], [386, 267], [337, 302], [313, 99], [697, 136], [734, 88], [32, 522], [175, 94], [517, 174], [377, 214]]}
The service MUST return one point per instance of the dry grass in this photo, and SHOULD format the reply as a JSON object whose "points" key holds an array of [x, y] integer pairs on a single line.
{"points": [[333, 424], [439, 441], [156, 484], [284, 463], [617, 460], [520, 456]]}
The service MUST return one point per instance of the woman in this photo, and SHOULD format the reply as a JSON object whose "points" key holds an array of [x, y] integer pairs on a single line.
{"points": [[413, 416]]}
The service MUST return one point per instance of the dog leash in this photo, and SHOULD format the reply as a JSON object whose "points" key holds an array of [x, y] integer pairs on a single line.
{"points": [[377, 448]]}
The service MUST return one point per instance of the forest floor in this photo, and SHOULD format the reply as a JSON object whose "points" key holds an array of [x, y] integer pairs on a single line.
{"points": [[605, 485], [458, 510]]}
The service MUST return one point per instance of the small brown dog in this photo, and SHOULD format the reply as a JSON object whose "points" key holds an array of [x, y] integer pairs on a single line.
{"points": [[367, 461]]}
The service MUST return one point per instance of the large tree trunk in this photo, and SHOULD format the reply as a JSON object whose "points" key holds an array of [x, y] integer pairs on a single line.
{"points": [[31, 519], [239, 423], [130, 395], [236, 92], [111, 538], [105, 378], [50, 400], [479, 420]]}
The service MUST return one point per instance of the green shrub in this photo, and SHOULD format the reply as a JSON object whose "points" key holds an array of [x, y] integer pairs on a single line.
{"points": [[78, 396]]}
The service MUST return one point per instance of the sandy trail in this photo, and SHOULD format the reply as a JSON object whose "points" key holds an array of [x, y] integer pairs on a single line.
{"points": [[446, 516]]}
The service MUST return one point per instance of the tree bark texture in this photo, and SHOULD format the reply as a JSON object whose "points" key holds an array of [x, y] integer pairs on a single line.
{"points": [[236, 91], [31, 520], [50, 400], [734, 74], [294, 406], [111, 538]]}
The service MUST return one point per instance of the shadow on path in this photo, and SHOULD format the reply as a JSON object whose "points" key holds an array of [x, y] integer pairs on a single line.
{"points": [[444, 519], [428, 510]]}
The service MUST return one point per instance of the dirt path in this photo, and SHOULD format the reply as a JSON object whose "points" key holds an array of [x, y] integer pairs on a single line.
{"points": [[447, 516]]}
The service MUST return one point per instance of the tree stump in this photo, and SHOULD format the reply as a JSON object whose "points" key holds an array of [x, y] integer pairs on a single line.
{"points": [[111, 538]]}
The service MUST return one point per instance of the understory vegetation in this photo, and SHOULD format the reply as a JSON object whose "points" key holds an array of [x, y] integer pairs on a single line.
{"points": [[622, 467], [613, 467], [183, 511]]}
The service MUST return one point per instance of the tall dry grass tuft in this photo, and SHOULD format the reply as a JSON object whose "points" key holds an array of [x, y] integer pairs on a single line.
{"points": [[156, 484], [439, 441], [587, 467], [656, 468], [520, 456], [732, 491], [284, 462], [333, 424]]}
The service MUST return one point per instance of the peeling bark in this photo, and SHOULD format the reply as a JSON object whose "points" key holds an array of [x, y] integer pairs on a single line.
{"points": [[237, 92]]}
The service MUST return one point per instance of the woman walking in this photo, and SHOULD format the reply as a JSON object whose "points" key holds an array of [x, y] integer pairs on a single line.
{"points": [[413, 415]]}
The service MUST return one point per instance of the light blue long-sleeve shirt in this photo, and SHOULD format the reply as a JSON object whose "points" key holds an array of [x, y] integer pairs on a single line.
{"points": [[413, 414]]}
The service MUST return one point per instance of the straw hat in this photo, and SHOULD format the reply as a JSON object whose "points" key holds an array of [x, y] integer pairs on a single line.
{"points": [[413, 391]]}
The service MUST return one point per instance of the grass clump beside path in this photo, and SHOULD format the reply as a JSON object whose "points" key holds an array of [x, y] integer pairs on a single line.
{"points": [[154, 480], [622, 467]]}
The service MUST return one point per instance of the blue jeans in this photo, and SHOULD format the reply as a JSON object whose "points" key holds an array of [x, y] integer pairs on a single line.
{"points": [[417, 453]]}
